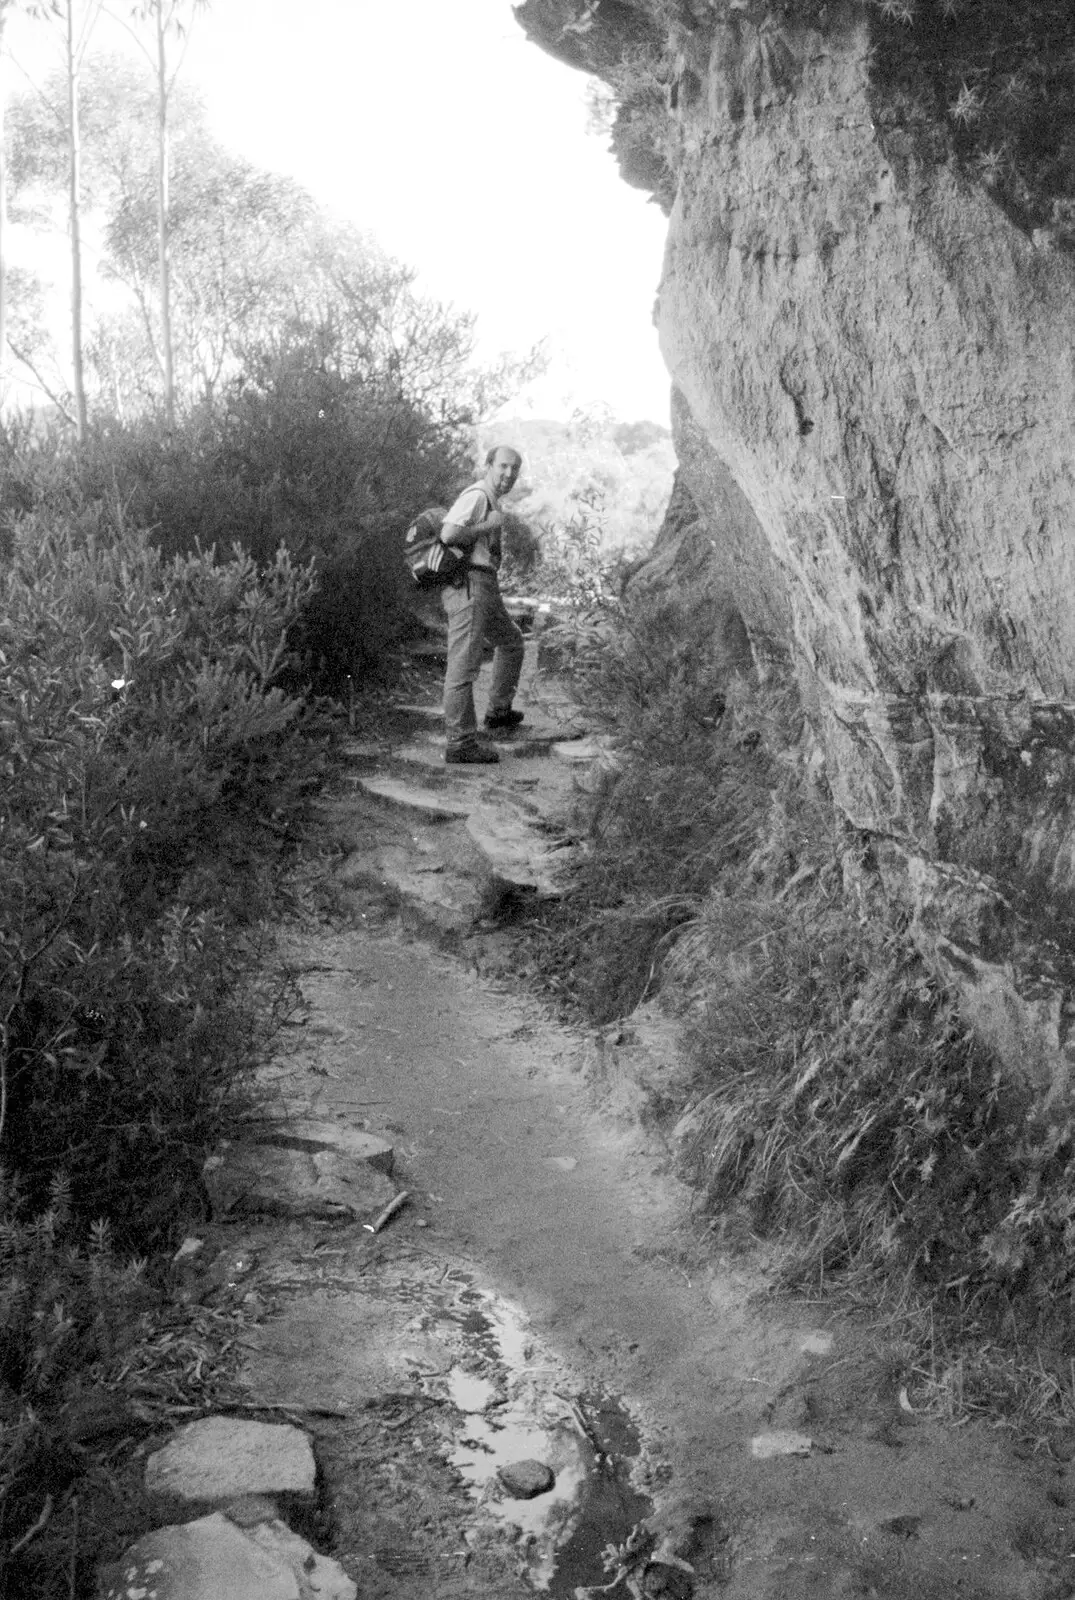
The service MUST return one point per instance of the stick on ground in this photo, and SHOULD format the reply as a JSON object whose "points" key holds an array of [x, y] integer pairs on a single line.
{"points": [[388, 1213]]}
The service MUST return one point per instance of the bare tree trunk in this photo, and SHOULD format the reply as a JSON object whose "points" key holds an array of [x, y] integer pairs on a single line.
{"points": [[3, 196], [162, 217], [75, 152]]}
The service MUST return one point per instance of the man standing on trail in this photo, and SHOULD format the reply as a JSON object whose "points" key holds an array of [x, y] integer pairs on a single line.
{"points": [[476, 614]]}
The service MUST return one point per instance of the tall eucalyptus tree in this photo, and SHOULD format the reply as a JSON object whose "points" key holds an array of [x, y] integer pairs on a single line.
{"points": [[168, 24], [77, 21], [7, 9]]}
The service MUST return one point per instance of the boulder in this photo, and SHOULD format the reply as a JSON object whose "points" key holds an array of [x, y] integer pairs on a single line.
{"points": [[279, 1181], [212, 1559]]}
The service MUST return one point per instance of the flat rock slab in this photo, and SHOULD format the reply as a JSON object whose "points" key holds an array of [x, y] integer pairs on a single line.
{"points": [[224, 1458], [212, 1559], [311, 1135], [336, 1353], [276, 1181], [436, 805]]}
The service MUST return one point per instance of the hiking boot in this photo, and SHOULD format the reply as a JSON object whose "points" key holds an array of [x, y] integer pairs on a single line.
{"points": [[504, 719], [471, 755]]}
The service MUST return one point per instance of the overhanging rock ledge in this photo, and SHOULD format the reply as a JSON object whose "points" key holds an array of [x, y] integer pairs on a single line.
{"points": [[874, 408]]}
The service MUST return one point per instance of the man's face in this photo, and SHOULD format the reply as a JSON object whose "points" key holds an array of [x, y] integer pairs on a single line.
{"points": [[503, 471]]}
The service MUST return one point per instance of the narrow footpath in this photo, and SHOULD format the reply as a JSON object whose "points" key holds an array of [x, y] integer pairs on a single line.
{"points": [[534, 1373]]}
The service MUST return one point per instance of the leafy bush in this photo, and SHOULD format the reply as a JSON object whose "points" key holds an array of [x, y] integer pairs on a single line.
{"points": [[71, 1312], [149, 759], [138, 717], [331, 468]]}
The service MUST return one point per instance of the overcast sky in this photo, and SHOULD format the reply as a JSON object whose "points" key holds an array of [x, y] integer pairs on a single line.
{"points": [[464, 150]]}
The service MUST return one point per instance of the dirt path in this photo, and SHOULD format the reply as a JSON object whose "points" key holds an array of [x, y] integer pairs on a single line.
{"points": [[545, 1295]]}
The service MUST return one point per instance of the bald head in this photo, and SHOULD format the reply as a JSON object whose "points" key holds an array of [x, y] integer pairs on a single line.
{"points": [[502, 465]]}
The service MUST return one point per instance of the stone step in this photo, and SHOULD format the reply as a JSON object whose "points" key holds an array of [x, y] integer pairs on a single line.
{"points": [[448, 804], [514, 848]]}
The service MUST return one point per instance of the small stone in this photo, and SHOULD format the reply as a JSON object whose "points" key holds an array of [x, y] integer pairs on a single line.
{"points": [[593, 749], [905, 1527], [781, 1443], [817, 1342], [525, 1479], [187, 1251]]}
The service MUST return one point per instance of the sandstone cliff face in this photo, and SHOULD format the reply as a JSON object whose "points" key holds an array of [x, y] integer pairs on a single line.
{"points": [[875, 414]]}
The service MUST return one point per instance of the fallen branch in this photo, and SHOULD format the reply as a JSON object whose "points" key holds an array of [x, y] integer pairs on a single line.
{"points": [[39, 1526], [388, 1213]]}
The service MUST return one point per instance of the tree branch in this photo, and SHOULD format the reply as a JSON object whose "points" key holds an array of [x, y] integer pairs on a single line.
{"points": [[28, 363]]}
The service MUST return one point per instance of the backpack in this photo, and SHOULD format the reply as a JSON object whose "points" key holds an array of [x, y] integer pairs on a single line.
{"points": [[432, 565]]}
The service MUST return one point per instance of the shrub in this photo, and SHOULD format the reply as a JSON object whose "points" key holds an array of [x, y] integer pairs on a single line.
{"points": [[70, 1313], [143, 734], [138, 712], [330, 469]]}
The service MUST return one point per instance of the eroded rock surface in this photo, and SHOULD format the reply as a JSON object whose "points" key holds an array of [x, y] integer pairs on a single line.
{"points": [[874, 406]]}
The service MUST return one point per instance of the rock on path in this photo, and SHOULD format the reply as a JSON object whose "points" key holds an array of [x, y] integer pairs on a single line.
{"points": [[223, 1458], [213, 1559]]}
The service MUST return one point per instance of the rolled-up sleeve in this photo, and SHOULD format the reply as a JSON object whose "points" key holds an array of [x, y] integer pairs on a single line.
{"points": [[462, 512]]}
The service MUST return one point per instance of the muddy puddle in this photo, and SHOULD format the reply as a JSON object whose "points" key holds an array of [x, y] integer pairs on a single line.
{"points": [[498, 1409], [515, 1406]]}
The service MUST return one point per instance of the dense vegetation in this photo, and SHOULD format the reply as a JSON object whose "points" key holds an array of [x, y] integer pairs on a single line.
{"points": [[151, 766]]}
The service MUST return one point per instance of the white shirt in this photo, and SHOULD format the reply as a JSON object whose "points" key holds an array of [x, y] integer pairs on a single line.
{"points": [[474, 505]]}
